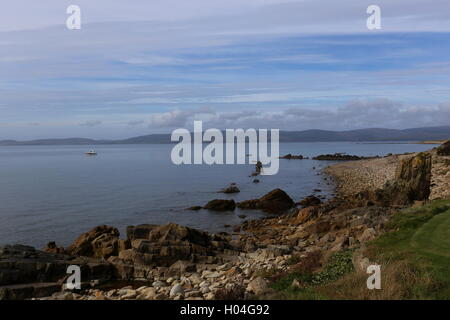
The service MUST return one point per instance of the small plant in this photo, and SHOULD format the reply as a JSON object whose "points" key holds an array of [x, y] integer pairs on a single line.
{"points": [[293, 260], [339, 264]]}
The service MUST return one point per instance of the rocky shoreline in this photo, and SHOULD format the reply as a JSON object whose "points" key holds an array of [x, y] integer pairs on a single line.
{"points": [[174, 262]]}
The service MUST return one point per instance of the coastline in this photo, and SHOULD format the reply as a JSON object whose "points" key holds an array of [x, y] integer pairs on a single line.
{"points": [[177, 262]]}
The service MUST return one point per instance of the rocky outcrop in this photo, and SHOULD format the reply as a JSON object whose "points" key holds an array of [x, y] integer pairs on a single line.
{"points": [[26, 272], [338, 157], [276, 201], [220, 205], [164, 245], [292, 157], [411, 183], [412, 179], [100, 242], [53, 248], [232, 188], [444, 149]]}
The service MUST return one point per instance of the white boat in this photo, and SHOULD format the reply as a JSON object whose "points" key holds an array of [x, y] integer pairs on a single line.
{"points": [[91, 153]]}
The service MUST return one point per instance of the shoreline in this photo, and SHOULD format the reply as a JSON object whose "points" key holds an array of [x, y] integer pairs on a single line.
{"points": [[177, 262]]}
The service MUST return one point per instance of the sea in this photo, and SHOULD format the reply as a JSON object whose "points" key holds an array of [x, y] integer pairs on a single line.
{"points": [[55, 193]]}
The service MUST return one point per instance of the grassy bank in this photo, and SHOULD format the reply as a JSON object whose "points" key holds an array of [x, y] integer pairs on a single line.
{"points": [[414, 255]]}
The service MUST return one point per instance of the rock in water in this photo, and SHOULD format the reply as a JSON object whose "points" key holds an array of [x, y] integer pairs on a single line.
{"points": [[291, 157], [276, 201], [231, 189], [53, 248], [100, 242], [220, 205], [338, 157]]}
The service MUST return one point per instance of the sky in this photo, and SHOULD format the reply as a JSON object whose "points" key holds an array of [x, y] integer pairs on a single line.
{"points": [[140, 67]]}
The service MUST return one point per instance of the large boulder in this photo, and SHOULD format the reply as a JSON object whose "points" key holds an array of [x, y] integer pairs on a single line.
{"points": [[276, 201], [220, 205], [411, 183], [412, 180], [53, 248], [141, 231], [232, 188], [444, 149], [100, 242], [166, 244], [26, 272]]}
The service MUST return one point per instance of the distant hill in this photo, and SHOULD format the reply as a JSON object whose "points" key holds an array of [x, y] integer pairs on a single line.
{"points": [[367, 135]]}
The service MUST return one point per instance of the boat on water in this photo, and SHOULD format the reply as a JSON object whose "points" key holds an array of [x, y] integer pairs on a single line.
{"points": [[91, 153]]}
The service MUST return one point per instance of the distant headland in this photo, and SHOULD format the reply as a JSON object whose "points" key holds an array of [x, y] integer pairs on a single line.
{"points": [[440, 133]]}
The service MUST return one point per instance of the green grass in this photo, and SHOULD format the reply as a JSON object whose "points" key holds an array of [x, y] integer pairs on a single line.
{"points": [[414, 254], [338, 265], [421, 236]]}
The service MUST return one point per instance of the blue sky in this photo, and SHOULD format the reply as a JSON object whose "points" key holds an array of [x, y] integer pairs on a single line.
{"points": [[152, 66]]}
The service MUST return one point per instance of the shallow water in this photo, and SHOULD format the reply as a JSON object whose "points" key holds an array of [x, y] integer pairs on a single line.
{"points": [[55, 193]]}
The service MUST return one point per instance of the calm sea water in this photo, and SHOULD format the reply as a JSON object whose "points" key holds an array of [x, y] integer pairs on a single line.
{"points": [[55, 193]]}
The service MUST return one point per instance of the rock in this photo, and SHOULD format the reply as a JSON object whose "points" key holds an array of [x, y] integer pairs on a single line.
{"points": [[360, 263], [164, 245], [412, 183], [149, 293], [306, 214], [220, 205], [258, 167], [444, 149], [194, 208], [310, 201], [256, 181], [338, 157], [26, 272], [231, 189], [161, 296], [141, 231], [276, 201], [130, 294], [53, 248], [158, 284], [367, 235], [100, 242], [210, 296], [258, 286], [182, 267], [27, 291], [414, 176], [291, 157], [176, 289]]}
